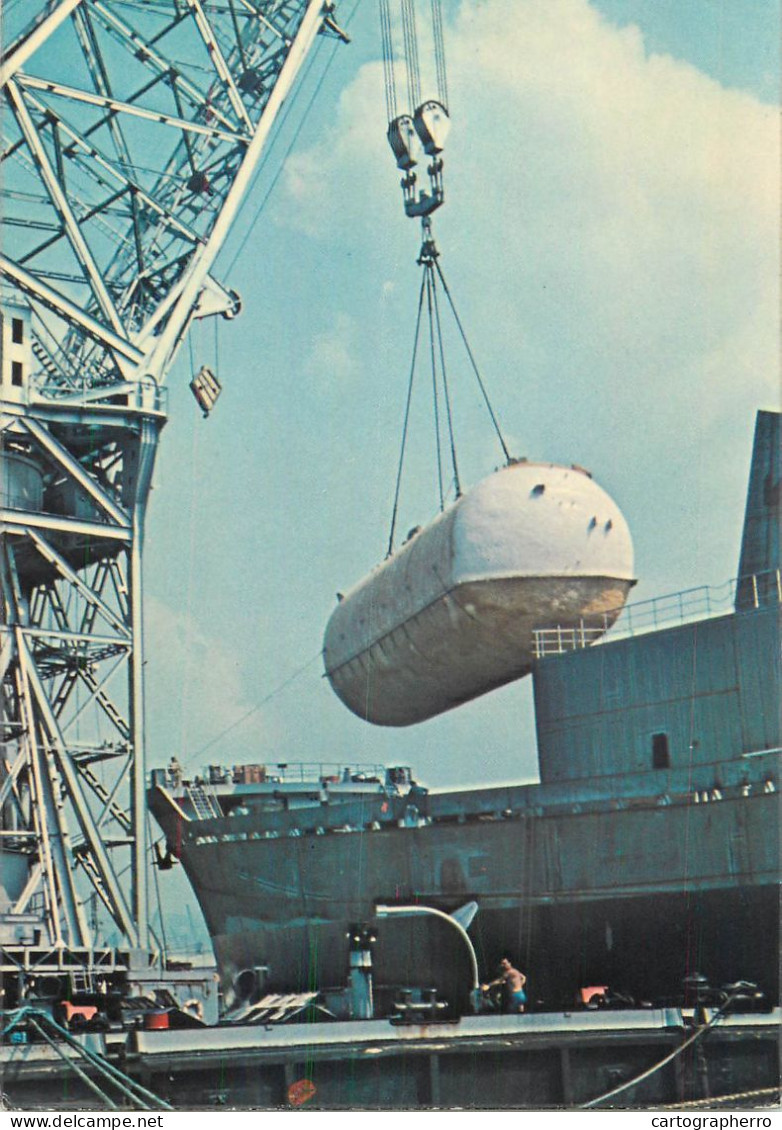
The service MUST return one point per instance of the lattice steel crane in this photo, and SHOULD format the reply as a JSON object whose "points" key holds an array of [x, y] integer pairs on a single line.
{"points": [[131, 131]]}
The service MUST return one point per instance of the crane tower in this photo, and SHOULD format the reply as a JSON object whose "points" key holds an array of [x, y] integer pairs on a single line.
{"points": [[131, 131]]}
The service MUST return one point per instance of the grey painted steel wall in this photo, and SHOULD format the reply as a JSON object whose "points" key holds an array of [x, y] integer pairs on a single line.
{"points": [[760, 537], [712, 688]]}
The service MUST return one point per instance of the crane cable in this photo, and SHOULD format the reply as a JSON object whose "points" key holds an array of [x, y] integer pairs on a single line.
{"points": [[389, 77], [436, 338], [435, 398], [429, 255], [245, 239], [403, 445], [410, 35], [447, 394], [431, 273], [189, 758], [474, 363], [412, 61], [439, 53]]}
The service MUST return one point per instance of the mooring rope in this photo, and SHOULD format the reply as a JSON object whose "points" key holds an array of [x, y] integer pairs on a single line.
{"points": [[132, 1090], [718, 1015], [694, 1104]]}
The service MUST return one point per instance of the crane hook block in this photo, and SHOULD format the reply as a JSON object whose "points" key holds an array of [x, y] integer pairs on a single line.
{"points": [[206, 388], [432, 124], [403, 139]]}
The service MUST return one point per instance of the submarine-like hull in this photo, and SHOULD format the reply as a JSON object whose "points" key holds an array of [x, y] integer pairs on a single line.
{"points": [[453, 614]]}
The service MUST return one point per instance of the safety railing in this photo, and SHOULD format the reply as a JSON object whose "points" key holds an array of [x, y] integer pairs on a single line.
{"points": [[144, 395], [303, 772], [754, 590]]}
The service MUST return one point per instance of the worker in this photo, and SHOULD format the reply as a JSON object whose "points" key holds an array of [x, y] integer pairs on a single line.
{"points": [[513, 982], [175, 772]]}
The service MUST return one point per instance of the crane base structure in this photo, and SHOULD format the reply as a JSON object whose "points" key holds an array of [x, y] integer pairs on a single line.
{"points": [[131, 134]]}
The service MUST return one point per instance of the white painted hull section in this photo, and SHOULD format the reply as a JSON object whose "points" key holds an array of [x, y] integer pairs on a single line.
{"points": [[452, 614]]}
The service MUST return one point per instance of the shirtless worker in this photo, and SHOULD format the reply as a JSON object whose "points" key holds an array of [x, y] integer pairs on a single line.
{"points": [[514, 983]]}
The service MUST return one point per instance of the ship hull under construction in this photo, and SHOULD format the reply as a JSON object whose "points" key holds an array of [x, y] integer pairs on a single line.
{"points": [[647, 853], [693, 889]]}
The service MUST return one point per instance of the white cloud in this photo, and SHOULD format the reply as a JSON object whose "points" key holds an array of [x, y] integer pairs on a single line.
{"points": [[611, 237], [195, 691], [619, 203], [332, 359]]}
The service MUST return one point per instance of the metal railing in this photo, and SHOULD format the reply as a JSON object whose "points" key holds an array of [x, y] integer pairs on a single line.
{"points": [[756, 590], [274, 773], [144, 395], [305, 772]]}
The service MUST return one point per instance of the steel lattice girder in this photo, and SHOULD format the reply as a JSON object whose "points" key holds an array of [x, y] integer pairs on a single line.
{"points": [[131, 132]]}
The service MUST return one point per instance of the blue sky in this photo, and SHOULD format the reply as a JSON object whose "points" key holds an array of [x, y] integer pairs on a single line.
{"points": [[610, 236], [736, 42]]}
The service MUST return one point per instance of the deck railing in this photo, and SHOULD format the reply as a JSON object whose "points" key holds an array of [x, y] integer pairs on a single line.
{"points": [[755, 590], [303, 772]]}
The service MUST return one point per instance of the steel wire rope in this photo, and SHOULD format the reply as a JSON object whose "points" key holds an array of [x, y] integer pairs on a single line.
{"points": [[389, 75], [715, 1100], [439, 53], [127, 1086], [702, 1031], [406, 424], [70, 1061], [254, 709], [526, 922], [132, 1090], [410, 35], [156, 879], [237, 35], [473, 363], [194, 464], [689, 834], [446, 392], [265, 161], [435, 399]]}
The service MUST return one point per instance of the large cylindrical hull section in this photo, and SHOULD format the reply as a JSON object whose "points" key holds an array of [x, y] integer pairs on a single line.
{"points": [[454, 613], [473, 639]]}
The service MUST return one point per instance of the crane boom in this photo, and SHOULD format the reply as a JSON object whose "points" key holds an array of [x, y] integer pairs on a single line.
{"points": [[130, 142]]}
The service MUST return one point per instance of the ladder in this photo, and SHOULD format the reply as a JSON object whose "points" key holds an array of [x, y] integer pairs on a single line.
{"points": [[82, 980], [204, 804]]}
